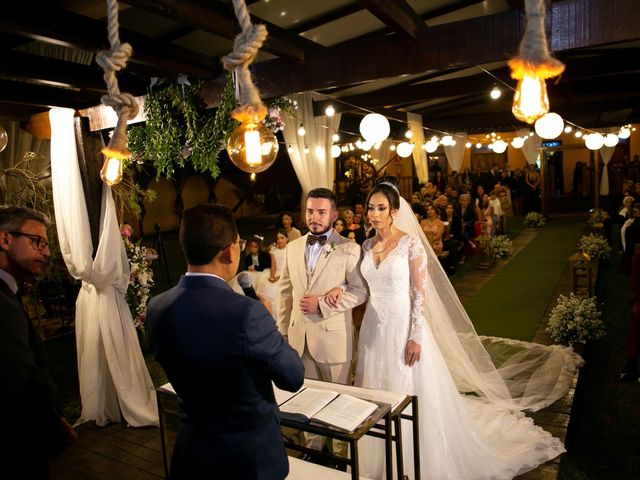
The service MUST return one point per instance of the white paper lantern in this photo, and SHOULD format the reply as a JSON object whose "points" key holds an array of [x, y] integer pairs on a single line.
{"points": [[594, 141], [517, 142], [499, 146], [611, 140], [431, 146], [404, 149], [549, 126], [374, 128], [335, 151], [446, 140], [625, 132]]}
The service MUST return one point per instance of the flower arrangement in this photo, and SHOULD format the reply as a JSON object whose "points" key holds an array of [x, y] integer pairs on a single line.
{"points": [[274, 120], [595, 246], [501, 246], [141, 279], [534, 220], [575, 319]]}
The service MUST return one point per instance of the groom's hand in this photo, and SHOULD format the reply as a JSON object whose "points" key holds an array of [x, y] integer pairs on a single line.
{"points": [[309, 304]]}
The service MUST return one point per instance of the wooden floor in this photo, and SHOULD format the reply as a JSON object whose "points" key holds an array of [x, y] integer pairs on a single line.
{"points": [[116, 451]]}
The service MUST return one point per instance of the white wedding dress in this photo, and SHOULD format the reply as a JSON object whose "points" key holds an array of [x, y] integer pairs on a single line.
{"points": [[461, 436]]}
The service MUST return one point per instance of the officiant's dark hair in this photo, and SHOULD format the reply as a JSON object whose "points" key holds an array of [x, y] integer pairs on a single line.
{"points": [[387, 186], [205, 230], [324, 193]]}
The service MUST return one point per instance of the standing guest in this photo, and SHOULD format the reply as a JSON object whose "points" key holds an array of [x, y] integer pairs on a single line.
{"points": [[221, 351], [33, 424], [257, 259], [518, 187], [532, 197], [286, 221], [630, 370], [358, 208], [490, 178], [439, 182], [268, 283]]}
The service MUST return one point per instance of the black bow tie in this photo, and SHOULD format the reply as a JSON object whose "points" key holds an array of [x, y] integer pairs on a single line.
{"points": [[313, 239]]}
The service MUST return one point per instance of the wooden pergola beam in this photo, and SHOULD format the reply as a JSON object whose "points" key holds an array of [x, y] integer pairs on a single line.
{"points": [[60, 27], [396, 14], [214, 19], [572, 24]]}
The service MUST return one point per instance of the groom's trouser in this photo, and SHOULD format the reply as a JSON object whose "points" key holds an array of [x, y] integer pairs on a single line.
{"points": [[327, 372]]}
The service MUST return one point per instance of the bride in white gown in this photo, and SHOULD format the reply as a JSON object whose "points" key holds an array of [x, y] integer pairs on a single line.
{"points": [[416, 338]]}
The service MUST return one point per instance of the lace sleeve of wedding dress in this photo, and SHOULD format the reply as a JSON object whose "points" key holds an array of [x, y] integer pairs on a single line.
{"points": [[418, 282], [510, 373]]}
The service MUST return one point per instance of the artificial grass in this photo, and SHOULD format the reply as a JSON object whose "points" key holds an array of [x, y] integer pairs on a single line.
{"points": [[513, 303]]}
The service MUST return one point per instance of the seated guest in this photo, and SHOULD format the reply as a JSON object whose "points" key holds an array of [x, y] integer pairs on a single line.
{"points": [[338, 226], [452, 238], [257, 260], [349, 220], [286, 221], [221, 351], [432, 226], [419, 211]]}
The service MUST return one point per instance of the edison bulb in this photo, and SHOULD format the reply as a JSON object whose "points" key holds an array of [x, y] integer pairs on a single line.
{"points": [[530, 101], [111, 172], [252, 147]]}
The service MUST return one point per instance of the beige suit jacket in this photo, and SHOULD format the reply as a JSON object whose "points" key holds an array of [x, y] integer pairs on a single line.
{"points": [[329, 334]]}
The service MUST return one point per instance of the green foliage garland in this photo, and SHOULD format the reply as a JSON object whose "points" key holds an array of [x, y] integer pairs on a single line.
{"points": [[179, 128]]}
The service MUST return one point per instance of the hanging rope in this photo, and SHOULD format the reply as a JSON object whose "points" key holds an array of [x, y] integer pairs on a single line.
{"points": [[125, 105], [245, 48], [534, 54]]}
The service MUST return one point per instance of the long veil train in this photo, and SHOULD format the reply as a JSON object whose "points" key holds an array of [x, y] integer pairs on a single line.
{"points": [[511, 374]]}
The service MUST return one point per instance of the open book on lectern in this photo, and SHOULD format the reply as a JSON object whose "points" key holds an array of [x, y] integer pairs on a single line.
{"points": [[325, 406]]}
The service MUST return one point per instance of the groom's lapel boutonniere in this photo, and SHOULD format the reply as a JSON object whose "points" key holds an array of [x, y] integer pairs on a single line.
{"points": [[328, 248]]}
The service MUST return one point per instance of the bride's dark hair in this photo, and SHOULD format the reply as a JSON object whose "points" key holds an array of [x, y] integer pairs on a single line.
{"points": [[388, 187]]}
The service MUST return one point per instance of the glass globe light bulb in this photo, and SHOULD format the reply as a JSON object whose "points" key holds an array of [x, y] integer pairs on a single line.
{"points": [[624, 133], [404, 149], [252, 147], [549, 126], [530, 101]]}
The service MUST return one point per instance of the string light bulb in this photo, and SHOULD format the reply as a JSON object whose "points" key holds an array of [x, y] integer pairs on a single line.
{"points": [[404, 149], [330, 111], [301, 130], [624, 133], [495, 93]]}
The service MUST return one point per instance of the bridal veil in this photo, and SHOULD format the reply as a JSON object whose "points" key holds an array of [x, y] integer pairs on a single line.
{"points": [[511, 374]]}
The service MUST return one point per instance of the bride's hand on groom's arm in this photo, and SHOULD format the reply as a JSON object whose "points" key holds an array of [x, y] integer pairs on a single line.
{"points": [[412, 353], [334, 297]]}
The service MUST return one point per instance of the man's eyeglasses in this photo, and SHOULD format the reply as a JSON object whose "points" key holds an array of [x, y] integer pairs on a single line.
{"points": [[36, 240], [242, 242]]}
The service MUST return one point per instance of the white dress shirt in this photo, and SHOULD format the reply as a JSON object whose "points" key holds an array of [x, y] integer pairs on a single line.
{"points": [[312, 252]]}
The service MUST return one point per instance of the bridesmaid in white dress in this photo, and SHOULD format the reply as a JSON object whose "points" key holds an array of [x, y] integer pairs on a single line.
{"points": [[268, 285], [403, 349]]}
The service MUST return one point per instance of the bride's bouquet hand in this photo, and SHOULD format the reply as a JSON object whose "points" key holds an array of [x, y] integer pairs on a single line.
{"points": [[412, 353]]}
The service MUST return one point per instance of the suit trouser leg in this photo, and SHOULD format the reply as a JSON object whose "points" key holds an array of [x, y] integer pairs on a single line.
{"points": [[327, 372]]}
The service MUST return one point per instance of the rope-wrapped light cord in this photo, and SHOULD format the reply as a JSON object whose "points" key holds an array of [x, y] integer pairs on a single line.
{"points": [[245, 48], [125, 104], [534, 54]]}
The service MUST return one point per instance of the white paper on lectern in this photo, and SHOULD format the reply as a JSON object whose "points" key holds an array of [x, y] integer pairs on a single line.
{"points": [[308, 402], [346, 412]]}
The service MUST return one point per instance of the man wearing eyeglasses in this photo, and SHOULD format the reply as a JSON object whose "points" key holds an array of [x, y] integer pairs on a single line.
{"points": [[34, 427], [221, 351]]}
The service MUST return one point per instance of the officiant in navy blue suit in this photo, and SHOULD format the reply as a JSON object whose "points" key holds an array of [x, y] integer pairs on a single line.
{"points": [[221, 351]]}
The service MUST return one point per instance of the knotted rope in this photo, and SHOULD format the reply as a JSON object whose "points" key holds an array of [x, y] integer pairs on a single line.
{"points": [[245, 48], [125, 105], [534, 54]]}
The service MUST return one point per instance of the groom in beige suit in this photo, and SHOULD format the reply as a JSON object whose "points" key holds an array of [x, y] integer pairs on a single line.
{"points": [[314, 265]]}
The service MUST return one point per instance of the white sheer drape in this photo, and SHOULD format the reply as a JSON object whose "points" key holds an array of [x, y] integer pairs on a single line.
{"points": [[455, 153], [382, 155], [606, 153], [531, 146], [419, 155], [111, 369], [317, 167]]}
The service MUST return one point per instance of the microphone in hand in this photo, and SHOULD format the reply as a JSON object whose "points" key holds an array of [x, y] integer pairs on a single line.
{"points": [[244, 280]]}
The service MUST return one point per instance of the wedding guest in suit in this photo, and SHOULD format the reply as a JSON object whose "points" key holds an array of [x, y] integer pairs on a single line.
{"points": [[221, 351], [34, 428]]}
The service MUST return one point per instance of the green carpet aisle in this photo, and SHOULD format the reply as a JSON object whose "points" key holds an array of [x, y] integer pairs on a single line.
{"points": [[514, 301]]}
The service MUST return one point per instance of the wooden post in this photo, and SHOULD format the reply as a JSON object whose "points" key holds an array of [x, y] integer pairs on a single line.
{"points": [[90, 160], [596, 179], [544, 194]]}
